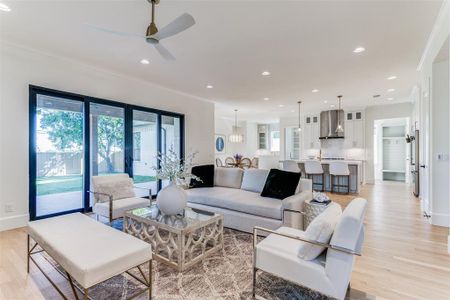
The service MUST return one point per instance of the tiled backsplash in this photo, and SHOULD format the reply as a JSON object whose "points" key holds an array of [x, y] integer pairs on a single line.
{"points": [[336, 148]]}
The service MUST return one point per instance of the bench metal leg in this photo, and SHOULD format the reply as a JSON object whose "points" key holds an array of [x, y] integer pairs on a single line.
{"points": [[72, 286], [28, 253], [86, 294]]}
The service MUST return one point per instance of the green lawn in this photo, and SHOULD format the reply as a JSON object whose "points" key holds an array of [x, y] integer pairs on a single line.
{"points": [[47, 185]]}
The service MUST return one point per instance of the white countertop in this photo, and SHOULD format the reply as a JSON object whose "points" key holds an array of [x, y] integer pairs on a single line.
{"points": [[327, 161]]}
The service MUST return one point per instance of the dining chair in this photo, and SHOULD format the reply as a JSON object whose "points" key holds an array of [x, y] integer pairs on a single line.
{"points": [[229, 161], [246, 163], [219, 162], [254, 163]]}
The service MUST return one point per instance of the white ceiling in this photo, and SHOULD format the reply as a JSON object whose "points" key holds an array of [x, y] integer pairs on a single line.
{"points": [[305, 45]]}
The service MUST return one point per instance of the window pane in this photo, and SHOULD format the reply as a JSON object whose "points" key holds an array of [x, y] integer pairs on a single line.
{"points": [[107, 140], [170, 137], [144, 151], [59, 155]]}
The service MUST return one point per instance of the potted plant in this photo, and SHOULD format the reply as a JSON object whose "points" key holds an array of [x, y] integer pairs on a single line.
{"points": [[171, 200]]}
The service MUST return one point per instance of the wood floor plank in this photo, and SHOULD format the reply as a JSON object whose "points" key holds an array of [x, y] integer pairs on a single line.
{"points": [[404, 257]]}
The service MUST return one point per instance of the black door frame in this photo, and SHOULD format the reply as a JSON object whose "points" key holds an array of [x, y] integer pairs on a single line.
{"points": [[128, 132]]}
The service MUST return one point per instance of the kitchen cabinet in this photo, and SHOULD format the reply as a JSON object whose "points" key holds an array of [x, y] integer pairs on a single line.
{"points": [[311, 132], [354, 130], [292, 145], [263, 136]]}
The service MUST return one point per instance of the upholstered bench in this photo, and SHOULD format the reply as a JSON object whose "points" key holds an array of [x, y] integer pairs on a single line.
{"points": [[88, 251]]}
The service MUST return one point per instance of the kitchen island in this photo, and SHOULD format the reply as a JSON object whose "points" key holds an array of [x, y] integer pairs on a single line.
{"points": [[356, 174]]}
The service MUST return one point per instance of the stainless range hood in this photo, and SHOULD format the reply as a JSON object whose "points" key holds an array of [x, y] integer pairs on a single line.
{"points": [[328, 123]]}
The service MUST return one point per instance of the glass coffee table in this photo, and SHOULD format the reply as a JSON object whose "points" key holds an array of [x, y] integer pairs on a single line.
{"points": [[179, 241]]}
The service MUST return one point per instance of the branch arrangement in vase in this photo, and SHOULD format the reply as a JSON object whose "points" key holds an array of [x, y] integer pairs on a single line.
{"points": [[175, 169]]}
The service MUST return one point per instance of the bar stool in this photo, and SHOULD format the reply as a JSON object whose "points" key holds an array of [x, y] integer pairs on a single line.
{"points": [[313, 168], [340, 170], [291, 166]]}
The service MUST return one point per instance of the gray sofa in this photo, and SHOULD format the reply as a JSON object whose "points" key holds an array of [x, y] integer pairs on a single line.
{"points": [[236, 195]]}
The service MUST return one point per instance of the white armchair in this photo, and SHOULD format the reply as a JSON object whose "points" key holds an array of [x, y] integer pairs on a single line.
{"points": [[114, 195], [330, 272]]}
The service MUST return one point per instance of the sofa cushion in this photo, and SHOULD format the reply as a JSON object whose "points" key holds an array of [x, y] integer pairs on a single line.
{"points": [[320, 230], [280, 184], [237, 200], [228, 177], [205, 173], [254, 180], [120, 206]]}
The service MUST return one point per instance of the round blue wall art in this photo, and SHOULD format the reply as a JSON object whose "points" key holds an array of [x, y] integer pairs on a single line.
{"points": [[220, 144]]}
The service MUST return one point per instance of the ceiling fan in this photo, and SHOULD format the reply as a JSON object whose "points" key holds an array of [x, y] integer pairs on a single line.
{"points": [[153, 36]]}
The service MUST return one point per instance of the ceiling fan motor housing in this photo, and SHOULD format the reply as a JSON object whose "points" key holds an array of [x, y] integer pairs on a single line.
{"points": [[151, 31]]}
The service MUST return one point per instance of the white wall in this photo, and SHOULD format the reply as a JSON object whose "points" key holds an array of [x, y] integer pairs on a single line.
{"points": [[21, 67], [249, 130], [372, 113], [440, 142], [439, 36]]}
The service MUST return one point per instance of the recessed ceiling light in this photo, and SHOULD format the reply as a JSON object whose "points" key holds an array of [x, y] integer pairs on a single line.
{"points": [[266, 99], [392, 77], [265, 73], [325, 101], [144, 61], [359, 50], [376, 96], [315, 91], [390, 98], [391, 90], [281, 105], [209, 86], [4, 7], [332, 105]]}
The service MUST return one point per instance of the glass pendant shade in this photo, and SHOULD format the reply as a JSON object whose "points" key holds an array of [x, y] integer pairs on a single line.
{"points": [[339, 128], [235, 137]]}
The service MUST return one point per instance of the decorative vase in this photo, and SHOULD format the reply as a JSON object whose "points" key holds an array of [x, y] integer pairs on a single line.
{"points": [[171, 200]]}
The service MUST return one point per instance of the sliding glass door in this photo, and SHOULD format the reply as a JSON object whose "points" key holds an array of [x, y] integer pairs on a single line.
{"points": [[74, 137], [59, 148], [145, 150]]}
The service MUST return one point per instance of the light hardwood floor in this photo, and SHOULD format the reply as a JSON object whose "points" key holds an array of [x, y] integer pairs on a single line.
{"points": [[404, 257]]}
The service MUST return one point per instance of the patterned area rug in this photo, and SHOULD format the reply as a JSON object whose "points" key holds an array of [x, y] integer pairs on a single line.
{"points": [[224, 275]]}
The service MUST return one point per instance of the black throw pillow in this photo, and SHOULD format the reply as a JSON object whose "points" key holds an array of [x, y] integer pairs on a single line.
{"points": [[205, 173], [280, 184]]}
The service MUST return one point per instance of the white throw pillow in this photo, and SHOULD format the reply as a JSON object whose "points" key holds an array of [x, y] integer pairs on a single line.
{"points": [[321, 230], [228, 177], [254, 180]]}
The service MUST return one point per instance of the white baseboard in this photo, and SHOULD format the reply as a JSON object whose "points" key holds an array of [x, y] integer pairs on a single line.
{"points": [[12, 222], [439, 219]]}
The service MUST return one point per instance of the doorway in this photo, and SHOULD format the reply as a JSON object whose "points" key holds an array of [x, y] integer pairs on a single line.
{"points": [[391, 154]]}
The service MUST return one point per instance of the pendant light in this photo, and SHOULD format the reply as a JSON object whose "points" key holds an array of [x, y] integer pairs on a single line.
{"points": [[339, 128], [236, 137], [299, 117]]}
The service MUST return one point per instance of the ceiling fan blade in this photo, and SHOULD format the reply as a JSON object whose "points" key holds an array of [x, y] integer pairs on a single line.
{"points": [[121, 33], [178, 25], [164, 52]]}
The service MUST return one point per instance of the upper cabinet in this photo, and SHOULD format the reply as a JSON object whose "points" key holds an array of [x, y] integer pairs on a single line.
{"points": [[311, 132], [354, 129], [292, 144], [263, 136]]}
